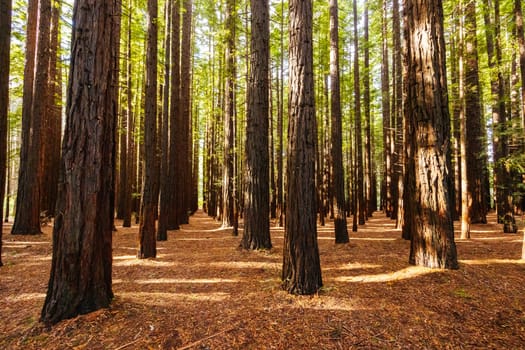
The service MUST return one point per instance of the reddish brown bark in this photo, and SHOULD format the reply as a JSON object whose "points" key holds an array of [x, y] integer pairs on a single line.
{"points": [[80, 279], [301, 272]]}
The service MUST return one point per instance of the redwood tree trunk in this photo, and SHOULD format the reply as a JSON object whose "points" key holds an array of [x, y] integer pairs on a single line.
{"points": [[150, 189], [385, 104], [338, 187], [257, 193], [361, 206], [426, 108], [27, 218], [5, 41], [229, 103], [475, 157], [301, 264], [80, 279], [52, 123]]}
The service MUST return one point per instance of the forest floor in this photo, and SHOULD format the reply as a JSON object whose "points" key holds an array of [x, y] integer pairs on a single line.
{"points": [[203, 292]]}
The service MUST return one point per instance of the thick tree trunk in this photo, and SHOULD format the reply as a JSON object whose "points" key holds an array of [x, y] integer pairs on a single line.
{"points": [[27, 218], [256, 197], [52, 123], [301, 264], [338, 187], [150, 188], [475, 158], [80, 279], [5, 41], [426, 108]]}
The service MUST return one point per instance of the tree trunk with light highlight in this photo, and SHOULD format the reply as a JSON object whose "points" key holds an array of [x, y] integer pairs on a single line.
{"points": [[257, 193], [150, 188], [80, 280], [338, 188], [301, 264], [426, 108]]}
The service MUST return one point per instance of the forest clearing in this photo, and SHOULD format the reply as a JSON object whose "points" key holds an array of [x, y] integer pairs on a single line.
{"points": [[203, 292]]}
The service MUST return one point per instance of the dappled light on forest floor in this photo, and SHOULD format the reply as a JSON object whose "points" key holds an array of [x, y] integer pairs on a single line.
{"points": [[165, 298], [203, 289], [492, 261], [409, 272]]}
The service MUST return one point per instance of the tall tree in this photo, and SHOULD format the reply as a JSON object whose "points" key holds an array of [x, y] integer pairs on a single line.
{"points": [[27, 218], [361, 206], [257, 193], [150, 188], [396, 139], [280, 117], [169, 210], [185, 108], [426, 108], [164, 132], [229, 109], [474, 141], [370, 187], [502, 180], [301, 272], [52, 119], [338, 192], [385, 104], [5, 42], [80, 279]]}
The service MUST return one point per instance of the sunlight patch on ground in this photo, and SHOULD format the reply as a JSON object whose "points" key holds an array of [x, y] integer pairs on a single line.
{"points": [[246, 265], [132, 260], [355, 266], [492, 261], [25, 297], [373, 239], [219, 229], [485, 231], [201, 238], [17, 244], [409, 272], [185, 280], [159, 298]]}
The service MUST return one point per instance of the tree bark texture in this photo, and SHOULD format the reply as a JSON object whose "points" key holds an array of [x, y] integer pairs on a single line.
{"points": [[150, 188], [229, 109], [338, 187], [27, 218], [257, 192], [385, 104], [360, 180], [80, 279], [185, 109], [5, 41], [475, 157], [426, 108], [301, 264], [52, 120]]}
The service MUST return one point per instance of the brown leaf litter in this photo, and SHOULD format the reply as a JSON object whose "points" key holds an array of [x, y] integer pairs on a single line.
{"points": [[203, 292]]}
